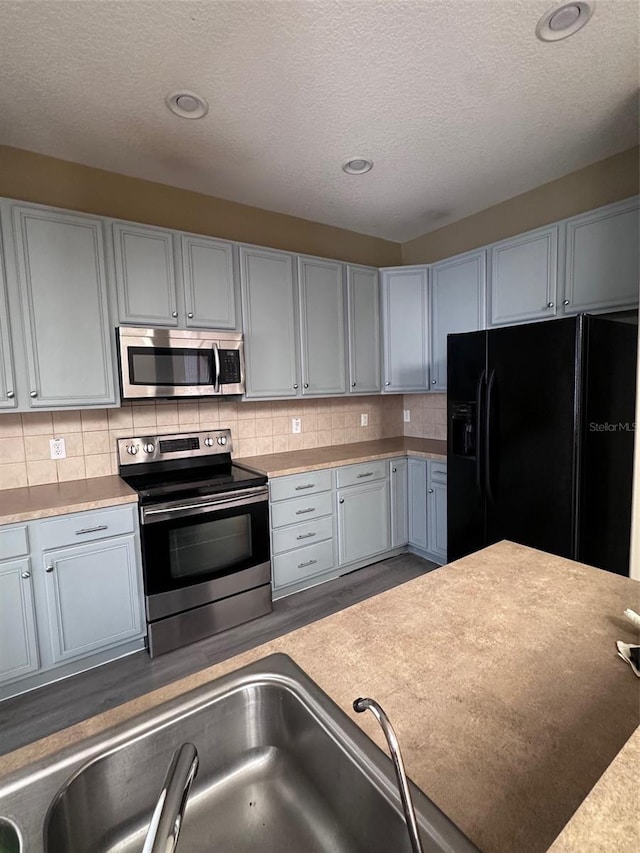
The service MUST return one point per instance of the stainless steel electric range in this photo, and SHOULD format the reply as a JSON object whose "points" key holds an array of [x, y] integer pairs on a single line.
{"points": [[205, 535]]}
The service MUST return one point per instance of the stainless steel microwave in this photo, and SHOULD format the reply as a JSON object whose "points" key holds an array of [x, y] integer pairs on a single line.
{"points": [[174, 363]]}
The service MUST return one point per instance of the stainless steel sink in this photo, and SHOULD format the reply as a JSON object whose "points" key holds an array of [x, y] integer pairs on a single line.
{"points": [[282, 768]]}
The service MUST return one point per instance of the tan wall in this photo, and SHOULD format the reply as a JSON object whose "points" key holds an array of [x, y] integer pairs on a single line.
{"points": [[47, 180], [256, 428], [601, 183]]}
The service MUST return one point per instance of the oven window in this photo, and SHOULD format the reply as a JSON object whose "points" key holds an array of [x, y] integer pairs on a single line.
{"points": [[170, 366], [209, 547]]}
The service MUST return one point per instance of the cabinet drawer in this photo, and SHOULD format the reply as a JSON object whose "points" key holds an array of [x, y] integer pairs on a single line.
{"points": [[302, 509], [365, 472], [14, 542], [302, 534], [85, 527], [302, 563], [438, 471], [299, 485]]}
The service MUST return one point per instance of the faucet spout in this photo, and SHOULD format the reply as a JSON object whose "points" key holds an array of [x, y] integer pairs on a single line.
{"points": [[361, 705], [166, 821]]}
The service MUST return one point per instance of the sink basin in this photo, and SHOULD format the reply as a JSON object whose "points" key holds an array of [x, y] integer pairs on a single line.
{"points": [[282, 768]]}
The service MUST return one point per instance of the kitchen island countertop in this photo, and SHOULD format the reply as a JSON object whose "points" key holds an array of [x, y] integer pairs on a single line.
{"points": [[500, 675]]}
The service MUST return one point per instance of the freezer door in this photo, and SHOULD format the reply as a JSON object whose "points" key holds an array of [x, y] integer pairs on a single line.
{"points": [[466, 374], [607, 444], [530, 447]]}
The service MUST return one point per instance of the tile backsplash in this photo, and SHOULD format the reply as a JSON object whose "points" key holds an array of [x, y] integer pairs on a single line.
{"points": [[428, 415], [256, 428]]}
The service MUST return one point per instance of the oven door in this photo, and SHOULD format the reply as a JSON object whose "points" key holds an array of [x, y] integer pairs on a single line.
{"points": [[204, 550]]}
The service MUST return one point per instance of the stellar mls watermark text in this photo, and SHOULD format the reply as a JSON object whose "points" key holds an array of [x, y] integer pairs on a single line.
{"points": [[621, 426]]}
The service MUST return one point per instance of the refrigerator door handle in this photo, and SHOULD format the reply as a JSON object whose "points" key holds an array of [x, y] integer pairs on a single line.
{"points": [[487, 438], [479, 399]]}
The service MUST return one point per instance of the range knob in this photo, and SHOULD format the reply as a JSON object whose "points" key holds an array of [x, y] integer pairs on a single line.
{"points": [[208, 442], [132, 449], [222, 439], [149, 447]]}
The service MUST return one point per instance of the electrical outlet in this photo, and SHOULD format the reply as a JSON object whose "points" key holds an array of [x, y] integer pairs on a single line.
{"points": [[58, 450], [406, 416], [296, 425], [364, 420]]}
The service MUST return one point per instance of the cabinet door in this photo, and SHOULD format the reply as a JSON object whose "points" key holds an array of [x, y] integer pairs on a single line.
{"points": [[364, 330], [18, 638], [404, 304], [145, 275], [94, 597], [268, 311], [363, 521], [7, 378], [418, 503], [63, 292], [524, 277], [602, 259], [398, 478], [321, 295], [458, 299], [209, 283], [437, 515]]}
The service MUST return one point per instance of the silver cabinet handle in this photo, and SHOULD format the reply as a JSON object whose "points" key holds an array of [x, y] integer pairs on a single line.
{"points": [[305, 536], [549, 304], [394, 470], [174, 313], [296, 386], [353, 384], [26, 575], [566, 302], [33, 394], [304, 511], [387, 383], [48, 569], [305, 486], [430, 491], [341, 501], [306, 384], [308, 563], [10, 395], [97, 529], [368, 474], [190, 315], [434, 381]]}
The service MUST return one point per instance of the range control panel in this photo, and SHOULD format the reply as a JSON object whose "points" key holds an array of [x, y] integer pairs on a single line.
{"points": [[150, 448]]}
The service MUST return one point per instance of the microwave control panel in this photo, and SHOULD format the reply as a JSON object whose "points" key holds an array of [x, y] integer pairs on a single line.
{"points": [[229, 366]]}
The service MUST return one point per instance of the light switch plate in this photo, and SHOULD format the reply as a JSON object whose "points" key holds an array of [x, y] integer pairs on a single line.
{"points": [[364, 420], [58, 450], [406, 416], [296, 425]]}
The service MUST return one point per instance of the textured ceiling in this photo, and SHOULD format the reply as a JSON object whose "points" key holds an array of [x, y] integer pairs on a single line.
{"points": [[456, 101]]}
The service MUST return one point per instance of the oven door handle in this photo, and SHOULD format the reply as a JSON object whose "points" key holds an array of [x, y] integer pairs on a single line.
{"points": [[240, 498]]}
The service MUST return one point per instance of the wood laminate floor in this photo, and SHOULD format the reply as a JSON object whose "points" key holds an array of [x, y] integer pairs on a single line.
{"points": [[48, 709]]}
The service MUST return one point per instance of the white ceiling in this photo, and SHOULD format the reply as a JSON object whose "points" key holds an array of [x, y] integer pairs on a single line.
{"points": [[456, 101]]}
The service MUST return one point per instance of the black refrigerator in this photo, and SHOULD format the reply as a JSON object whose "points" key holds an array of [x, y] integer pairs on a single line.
{"points": [[540, 438]]}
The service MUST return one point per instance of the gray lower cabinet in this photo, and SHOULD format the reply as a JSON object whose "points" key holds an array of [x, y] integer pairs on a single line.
{"points": [[363, 521], [458, 300], [8, 398], [418, 532], [363, 322], [399, 494], [405, 323], [18, 636], [93, 596], [602, 259], [524, 277], [61, 288], [269, 320], [428, 508]]}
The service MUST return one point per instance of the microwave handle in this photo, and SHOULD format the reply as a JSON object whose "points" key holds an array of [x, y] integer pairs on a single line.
{"points": [[216, 358]]}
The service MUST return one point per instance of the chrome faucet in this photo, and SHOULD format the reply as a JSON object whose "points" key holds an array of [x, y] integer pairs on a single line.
{"points": [[166, 821], [361, 705]]}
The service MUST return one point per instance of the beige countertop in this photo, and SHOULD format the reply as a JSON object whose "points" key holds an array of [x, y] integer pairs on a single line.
{"points": [[302, 461], [500, 674], [59, 498]]}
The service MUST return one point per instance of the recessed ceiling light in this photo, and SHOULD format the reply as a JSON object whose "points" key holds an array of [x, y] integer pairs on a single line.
{"points": [[357, 166], [564, 20], [187, 104]]}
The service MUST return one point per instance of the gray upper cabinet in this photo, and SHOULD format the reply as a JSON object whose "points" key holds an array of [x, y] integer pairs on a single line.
{"points": [[93, 596], [458, 300], [209, 283], [145, 275], [18, 638], [524, 277], [405, 324], [363, 297], [8, 399], [322, 327], [602, 269], [62, 292], [268, 309]]}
